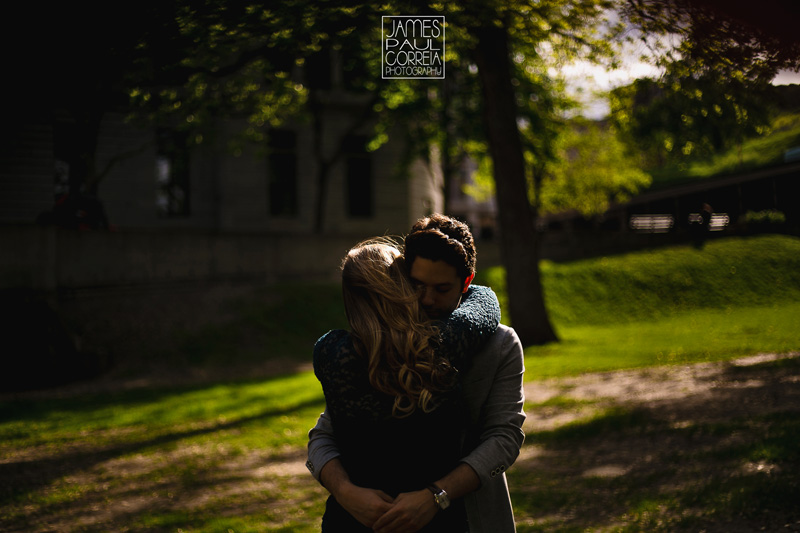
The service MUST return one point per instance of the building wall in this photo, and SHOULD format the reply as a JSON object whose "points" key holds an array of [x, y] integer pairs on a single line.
{"points": [[229, 191], [48, 258], [26, 171], [228, 233]]}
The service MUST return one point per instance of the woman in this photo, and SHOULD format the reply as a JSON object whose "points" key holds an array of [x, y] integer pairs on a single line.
{"points": [[391, 382]]}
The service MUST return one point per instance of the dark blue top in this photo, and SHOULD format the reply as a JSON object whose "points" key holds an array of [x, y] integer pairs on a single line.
{"points": [[400, 454]]}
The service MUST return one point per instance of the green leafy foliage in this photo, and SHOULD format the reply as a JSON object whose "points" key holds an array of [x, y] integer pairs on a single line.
{"points": [[593, 169], [766, 218], [718, 59], [685, 115], [765, 149]]}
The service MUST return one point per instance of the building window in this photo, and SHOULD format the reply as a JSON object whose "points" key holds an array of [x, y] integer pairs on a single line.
{"points": [[282, 168], [319, 70], [172, 174], [66, 153], [359, 193]]}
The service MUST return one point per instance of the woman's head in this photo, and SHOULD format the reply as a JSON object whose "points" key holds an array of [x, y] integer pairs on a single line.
{"points": [[374, 284], [389, 327]]}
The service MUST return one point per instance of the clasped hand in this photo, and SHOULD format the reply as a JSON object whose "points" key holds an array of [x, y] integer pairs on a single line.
{"points": [[409, 512]]}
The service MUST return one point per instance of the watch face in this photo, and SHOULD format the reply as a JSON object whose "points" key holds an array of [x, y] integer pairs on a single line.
{"points": [[442, 500], [440, 497]]}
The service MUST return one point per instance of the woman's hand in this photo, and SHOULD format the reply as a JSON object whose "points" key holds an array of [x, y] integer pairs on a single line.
{"points": [[366, 505], [410, 512]]}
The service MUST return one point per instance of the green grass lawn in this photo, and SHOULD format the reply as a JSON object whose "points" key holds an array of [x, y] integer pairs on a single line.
{"points": [[734, 297], [228, 456], [189, 457], [701, 336]]}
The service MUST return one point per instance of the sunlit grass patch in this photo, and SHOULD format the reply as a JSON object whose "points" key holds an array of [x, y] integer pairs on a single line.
{"points": [[162, 459], [145, 417], [703, 335]]}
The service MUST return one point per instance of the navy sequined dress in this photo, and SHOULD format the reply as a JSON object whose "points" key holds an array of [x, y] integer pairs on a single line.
{"points": [[400, 454]]}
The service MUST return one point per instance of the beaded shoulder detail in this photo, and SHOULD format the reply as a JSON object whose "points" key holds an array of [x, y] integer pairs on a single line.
{"points": [[467, 329]]}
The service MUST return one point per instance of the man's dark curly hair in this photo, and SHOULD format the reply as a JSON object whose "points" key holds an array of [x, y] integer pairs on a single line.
{"points": [[442, 238]]}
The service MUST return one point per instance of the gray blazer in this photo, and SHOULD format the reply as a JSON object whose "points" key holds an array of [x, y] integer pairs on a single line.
{"points": [[494, 397]]}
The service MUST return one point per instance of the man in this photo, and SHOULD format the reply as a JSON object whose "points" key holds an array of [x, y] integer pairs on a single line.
{"points": [[440, 252]]}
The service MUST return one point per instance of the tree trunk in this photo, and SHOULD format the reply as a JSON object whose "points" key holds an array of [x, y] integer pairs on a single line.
{"points": [[446, 161], [519, 240]]}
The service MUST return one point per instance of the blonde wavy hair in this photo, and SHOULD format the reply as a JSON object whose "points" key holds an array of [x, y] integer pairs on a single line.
{"points": [[390, 330]]}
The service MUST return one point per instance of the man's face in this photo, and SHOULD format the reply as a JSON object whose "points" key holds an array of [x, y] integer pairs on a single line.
{"points": [[440, 285]]}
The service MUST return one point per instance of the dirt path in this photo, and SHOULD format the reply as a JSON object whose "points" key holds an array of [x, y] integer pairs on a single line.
{"points": [[705, 447], [646, 387]]}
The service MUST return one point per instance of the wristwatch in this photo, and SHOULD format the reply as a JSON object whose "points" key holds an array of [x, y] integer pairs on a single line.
{"points": [[440, 497]]}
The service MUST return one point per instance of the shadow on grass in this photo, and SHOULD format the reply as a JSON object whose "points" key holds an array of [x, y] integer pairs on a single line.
{"points": [[723, 460], [22, 477], [178, 492]]}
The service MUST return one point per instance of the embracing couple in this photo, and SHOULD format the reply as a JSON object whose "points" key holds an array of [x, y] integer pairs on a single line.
{"points": [[424, 397]]}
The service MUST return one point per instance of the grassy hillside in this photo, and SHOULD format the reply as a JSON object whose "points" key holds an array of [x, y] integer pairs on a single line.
{"points": [[647, 285], [737, 296]]}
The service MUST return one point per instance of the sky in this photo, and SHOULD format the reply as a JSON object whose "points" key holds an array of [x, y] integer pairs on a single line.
{"points": [[584, 79]]}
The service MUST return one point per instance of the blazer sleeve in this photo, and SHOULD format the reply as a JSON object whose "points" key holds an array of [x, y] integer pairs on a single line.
{"points": [[498, 428], [321, 445]]}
